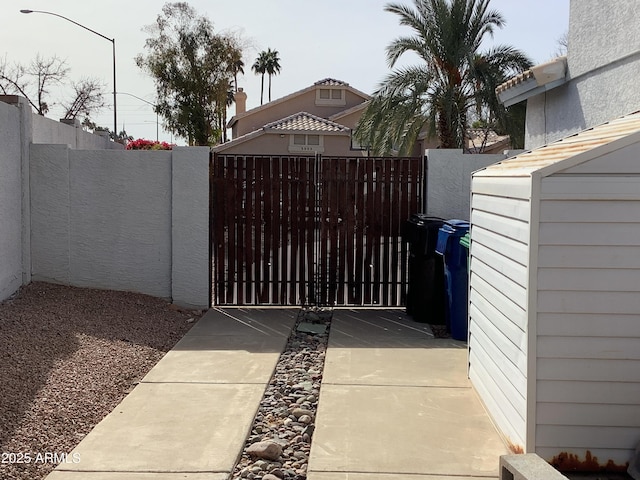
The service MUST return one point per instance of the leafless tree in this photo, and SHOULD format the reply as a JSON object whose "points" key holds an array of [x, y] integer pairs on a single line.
{"points": [[33, 81], [88, 98]]}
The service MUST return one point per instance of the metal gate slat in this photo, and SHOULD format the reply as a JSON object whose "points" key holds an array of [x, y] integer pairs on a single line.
{"points": [[311, 230]]}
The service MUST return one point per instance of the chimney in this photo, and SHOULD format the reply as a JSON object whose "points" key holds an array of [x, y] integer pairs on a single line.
{"points": [[241, 101]]}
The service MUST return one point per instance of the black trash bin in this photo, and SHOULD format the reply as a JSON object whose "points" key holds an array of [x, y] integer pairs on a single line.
{"points": [[425, 292]]}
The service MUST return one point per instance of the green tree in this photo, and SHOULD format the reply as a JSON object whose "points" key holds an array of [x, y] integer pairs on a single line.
{"points": [[237, 67], [259, 67], [192, 67], [453, 82], [272, 66]]}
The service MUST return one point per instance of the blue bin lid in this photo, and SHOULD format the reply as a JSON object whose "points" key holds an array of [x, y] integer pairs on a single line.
{"points": [[451, 229]]}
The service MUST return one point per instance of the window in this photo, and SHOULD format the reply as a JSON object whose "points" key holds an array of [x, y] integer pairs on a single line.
{"points": [[306, 143], [330, 96]]}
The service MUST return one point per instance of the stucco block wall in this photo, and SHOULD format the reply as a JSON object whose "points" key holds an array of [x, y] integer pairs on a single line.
{"points": [[122, 220], [10, 201], [190, 225], [46, 130], [603, 61], [449, 181]]}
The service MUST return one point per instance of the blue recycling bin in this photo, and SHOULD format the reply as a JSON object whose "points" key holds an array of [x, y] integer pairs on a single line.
{"points": [[456, 276]]}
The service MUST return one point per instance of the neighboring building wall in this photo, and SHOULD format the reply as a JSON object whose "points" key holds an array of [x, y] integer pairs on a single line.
{"points": [[10, 201], [498, 301], [588, 298], [275, 144], [49, 131], [603, 64], [449, 181], [123, 220], [276, 110]]}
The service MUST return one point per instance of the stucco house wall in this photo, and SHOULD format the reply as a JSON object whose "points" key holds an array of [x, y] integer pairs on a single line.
{"points": [[603, 64], [297, 102]]}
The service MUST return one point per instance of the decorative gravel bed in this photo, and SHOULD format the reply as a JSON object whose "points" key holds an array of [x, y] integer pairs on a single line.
{"points": [[68, 356], [280, 440]]}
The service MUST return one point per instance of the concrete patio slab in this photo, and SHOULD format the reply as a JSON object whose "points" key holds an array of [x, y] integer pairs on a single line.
{"points": [[250, 321], [60, 475], [395, 361], [373, 323], [180, 428], [220, 359], [404, 430]]}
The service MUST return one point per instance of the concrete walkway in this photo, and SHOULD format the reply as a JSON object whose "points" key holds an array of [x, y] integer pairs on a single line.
{"points": [[394, 403], [189, 417]]}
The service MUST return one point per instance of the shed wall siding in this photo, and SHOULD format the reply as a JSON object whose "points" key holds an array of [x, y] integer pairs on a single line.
{"points": [[500, 212], [588, 326]]}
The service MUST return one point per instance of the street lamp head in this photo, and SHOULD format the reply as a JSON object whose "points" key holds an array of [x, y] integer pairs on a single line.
{"points": [[26, 11]]}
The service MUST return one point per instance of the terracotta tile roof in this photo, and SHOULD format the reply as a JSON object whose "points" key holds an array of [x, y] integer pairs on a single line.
{"points": [[304, 121], [331, 82], [512, 82]]}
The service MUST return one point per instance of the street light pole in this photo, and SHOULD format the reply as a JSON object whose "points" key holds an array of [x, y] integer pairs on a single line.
{"points": [[113, 42], [148, 103]]}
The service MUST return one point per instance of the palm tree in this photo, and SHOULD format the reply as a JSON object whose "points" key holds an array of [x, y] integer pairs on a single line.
{"points": [[453, 81], [259, 67], [273, 66], [237, 66]]}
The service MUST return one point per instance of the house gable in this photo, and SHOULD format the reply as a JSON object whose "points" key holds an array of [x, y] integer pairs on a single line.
{"points": [[323, 99]]}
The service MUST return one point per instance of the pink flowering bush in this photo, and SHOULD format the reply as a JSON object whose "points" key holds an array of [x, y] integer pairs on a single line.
{"points": [[143, 144]]}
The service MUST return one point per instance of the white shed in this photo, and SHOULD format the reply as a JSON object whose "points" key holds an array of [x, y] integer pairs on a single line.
{"points": [[554, 302]]}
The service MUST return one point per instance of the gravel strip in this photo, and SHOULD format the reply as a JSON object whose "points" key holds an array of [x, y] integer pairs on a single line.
{"points": [[68, 356], [280, 440]]}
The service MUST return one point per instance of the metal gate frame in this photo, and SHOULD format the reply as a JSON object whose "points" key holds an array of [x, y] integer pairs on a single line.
{"points": [[311, 230]]}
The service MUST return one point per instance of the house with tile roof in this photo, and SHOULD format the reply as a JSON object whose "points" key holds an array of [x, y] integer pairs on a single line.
{"points": [[317, 119]]}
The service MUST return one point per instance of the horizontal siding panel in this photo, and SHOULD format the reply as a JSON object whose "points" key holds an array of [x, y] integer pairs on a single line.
{"points": [[501, 263], [510, 424], [513, 360], [588, 302], [514, 394], [509, 187], [602, 187], [507, 227], [589, 211], [589, 369], [512, 331], [500, 301], [515, 291], [589, 279], [588, 392], [614, 348], [587, 234], [512, 249], [505, 207], [622, 161], [585, 436], [588, 325], [589, 256], [617, 456], [588, 414]]}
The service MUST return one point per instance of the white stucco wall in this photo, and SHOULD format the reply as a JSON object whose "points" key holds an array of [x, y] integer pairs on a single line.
{"points": [[603, 66], [46, 130], [190, 225], [449, 181], [120, 220], [10, 201]]}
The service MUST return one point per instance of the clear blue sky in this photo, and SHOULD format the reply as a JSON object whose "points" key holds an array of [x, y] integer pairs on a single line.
{"points": [[343, 39]]}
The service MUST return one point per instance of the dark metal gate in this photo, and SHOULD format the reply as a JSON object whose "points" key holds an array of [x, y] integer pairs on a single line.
{"points": [[311, 230]]}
